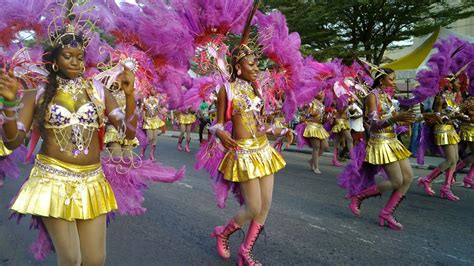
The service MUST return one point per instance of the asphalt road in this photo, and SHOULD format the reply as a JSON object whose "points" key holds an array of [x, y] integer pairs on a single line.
{"points": [[309, 224]]}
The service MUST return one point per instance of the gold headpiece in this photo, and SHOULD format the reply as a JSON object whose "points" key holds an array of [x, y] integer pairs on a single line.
{"points": [[71, 24], [457, 74], [244, 49], [376, 71]]}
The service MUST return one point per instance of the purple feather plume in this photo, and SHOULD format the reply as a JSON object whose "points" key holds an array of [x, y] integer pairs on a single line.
{"points": [[300, 139], [358, 175], [129, 186], [209, 157]]}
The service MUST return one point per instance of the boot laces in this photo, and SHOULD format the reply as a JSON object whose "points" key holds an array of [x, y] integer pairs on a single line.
{"points": [[262, 230], [225, 238]]}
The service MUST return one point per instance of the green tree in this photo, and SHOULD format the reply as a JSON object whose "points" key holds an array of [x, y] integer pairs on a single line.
{"points": [[366, 28]]}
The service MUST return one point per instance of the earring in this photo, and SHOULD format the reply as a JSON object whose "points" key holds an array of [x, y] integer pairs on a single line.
{"points": [[83, 68], [55, 67], [239, 72]]}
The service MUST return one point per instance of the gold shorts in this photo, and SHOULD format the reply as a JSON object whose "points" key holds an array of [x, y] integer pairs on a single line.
{"points": [[384, 148], [340, 125], [315, 130], [467, 132], [112, 135], [152, 122], [256, 158], [445, 135], [66, 191], [187, 119]]}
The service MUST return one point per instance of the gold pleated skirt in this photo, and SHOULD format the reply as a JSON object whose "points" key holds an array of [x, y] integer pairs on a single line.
{"points": [[340, 125], [112, 136], [467, 132], [187, 119], [445, 135], [315, 130], [255, 158], [385, 148], [66, 191], [152, 122], [3, 150]]}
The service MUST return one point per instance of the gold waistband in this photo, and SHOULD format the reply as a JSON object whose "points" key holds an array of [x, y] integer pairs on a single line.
{"points": [[62, 170], [252, 143], [443, 129], [382, 135]]}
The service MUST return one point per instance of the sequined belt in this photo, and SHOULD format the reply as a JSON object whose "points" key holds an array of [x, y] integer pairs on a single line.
{"points": [[440, 129], [47, 164], [249, 151], [384, 136]]}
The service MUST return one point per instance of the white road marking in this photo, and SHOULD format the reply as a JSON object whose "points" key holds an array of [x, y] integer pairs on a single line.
{"points": [[318, 227], [185, 185], [365, 241]]}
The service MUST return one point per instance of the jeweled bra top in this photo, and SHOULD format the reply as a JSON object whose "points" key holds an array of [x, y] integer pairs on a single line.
{"points": [[316, 108], [73, 129], [119, 96], [151, 106], [248, 105], [451, 105], [385, 108]]}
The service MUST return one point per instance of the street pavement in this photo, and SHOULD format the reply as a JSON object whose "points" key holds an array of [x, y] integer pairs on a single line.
{"points": [[309, 223]]}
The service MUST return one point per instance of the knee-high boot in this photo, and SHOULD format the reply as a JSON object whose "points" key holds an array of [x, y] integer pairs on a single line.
{"points": [[445, 191], [245, 251], [386, 214], [222, 234]]}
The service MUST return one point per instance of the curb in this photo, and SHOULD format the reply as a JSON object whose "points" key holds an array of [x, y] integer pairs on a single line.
{"points": [[173, 134]]}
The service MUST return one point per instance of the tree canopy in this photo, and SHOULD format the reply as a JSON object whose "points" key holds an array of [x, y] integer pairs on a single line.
{"points": [[366, 28]]}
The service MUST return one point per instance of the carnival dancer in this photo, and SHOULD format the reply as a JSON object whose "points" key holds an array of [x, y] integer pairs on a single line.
{"points": [[278, 121], [67, 175], [446, 137], [118, 145], [383, 150], [185, 119], [467, 135], [342, 132], [247, 161], [315, 133], [356, 121], [250, 161], [152, 123]]}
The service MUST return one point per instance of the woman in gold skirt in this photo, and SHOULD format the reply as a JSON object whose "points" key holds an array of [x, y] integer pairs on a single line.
{"points": [[152, 123], [467, 135], [250, 161], [342, 130], [66, 187], [315, 133], [186, 119], [385, 150], [4, 153], [447, 138], [118, 146]]}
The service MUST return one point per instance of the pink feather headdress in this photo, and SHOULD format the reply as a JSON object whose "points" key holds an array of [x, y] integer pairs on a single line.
{"points": [[282, 48], [135, 60], [453, 55]]}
